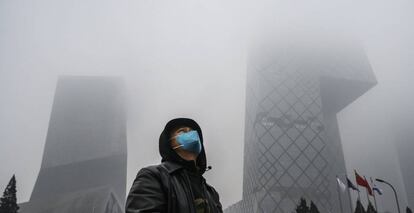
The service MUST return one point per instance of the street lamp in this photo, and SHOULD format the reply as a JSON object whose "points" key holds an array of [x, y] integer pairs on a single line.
{"points": [[395, 193]]}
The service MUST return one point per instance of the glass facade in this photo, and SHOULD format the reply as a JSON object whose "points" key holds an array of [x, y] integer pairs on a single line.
{"points": [[292, 146]]}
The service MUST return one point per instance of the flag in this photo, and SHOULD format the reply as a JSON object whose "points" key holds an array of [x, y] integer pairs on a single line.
{"points": [[351, 185], [341, 184], [378, 190], [368, 187], [363, 182]]}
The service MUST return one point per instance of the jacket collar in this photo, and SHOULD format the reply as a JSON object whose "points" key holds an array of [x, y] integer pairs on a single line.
{"points": [[171, 166]]}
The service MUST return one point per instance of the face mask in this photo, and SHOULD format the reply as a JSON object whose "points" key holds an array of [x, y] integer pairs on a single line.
{"points": [[189, 141]]}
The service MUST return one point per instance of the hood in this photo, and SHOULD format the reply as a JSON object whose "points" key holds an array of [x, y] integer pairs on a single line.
{"points": [[168, 154]]}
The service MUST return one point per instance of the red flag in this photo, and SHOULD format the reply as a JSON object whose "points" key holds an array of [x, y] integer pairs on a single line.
{"points": [[363, 182]]}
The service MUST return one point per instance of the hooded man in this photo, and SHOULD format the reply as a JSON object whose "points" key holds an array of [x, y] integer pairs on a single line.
{"points": [[176, 185]]}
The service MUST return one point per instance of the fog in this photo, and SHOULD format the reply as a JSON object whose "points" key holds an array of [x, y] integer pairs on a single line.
{"points": [[187, 58]]}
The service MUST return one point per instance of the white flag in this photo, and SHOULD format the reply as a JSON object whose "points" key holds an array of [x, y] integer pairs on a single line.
{"points": [[341, 185]]}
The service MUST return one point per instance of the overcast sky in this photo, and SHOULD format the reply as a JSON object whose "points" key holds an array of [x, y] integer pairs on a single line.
{"points": [[188, 58]]}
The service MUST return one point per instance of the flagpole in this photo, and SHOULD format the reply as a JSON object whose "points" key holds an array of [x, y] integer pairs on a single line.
{"points": [[373, 193], [349, 195], [339, 194]]}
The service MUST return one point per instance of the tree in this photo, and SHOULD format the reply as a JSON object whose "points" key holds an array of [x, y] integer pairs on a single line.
{"points": [[371, 208], [8, 203], [313, 208], [359, 208], [302, 207], [408, 210]]}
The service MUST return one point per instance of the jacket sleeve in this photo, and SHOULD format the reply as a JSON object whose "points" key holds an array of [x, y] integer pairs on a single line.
{"points": [[216, 198], [146, 194], [218, 204]]}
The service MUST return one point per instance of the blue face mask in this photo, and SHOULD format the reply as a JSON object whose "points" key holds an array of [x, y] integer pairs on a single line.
{"points": [[189, 141]]}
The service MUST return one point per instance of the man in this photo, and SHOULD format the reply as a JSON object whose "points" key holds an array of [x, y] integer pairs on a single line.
{"points": [[176, 185]]}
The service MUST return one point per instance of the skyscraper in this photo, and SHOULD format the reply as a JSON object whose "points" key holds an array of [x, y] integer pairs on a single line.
{"points": [[292, 149], [84, 160], [405, 146]]}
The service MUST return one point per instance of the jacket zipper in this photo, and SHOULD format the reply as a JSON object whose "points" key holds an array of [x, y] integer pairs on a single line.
{"points": [[187, 179], [208, 198]]}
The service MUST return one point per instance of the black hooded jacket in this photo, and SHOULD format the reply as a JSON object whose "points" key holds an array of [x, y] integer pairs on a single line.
{"points": [[174, 185]]}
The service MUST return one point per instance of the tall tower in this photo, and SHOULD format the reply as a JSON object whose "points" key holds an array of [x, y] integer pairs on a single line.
{"points": [[295, 88], [84, 160], [404, 144]]}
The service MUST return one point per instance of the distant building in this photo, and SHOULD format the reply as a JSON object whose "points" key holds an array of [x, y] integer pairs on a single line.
{"points": [[85, 156], [295, 88], [404, 139]]}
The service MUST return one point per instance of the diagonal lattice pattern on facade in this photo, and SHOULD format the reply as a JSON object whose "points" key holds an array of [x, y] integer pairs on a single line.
{"points": [[292, 144]]}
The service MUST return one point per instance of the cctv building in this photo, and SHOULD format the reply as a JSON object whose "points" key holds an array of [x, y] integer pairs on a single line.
{"points": [[84, 161], [295, 88]]}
